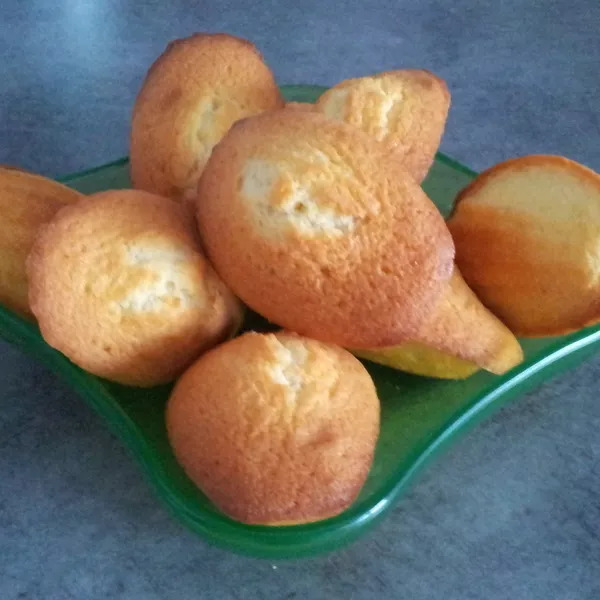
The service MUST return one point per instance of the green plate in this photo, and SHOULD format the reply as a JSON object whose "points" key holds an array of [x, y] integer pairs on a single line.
{"points": [[419, 418]]}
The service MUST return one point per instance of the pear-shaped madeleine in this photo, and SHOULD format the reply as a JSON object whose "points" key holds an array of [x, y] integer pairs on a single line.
{"points": [[316, 228]]}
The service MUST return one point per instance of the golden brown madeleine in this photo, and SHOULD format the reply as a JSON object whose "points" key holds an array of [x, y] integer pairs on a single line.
{"points": [[460, 337], [119, 285], [26, 202], [275, 428], [315, 228], [405, 109], [192, 94], [463, 327], [527, 235]]}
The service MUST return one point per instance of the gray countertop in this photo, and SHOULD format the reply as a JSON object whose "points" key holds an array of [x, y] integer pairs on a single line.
{"points": [[513, 511]]}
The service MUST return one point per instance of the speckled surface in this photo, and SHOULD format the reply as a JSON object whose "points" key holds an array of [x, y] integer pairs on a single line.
{"points": [[513, 511]]}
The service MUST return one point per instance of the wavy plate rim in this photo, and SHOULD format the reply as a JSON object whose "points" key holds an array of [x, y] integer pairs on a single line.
{"points": [[298, 540]]}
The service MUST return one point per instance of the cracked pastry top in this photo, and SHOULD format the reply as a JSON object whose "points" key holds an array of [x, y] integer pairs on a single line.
{"points": [[119, 285], [316, 228], [405, 110], [275, 428], [192, 94]]}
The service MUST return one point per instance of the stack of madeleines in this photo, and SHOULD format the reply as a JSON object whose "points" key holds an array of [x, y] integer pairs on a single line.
{"points": [[312, 216]]}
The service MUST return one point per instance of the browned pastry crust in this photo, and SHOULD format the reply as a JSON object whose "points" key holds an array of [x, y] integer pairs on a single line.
{"points": [[118, 284], [275, 428], [300, 106], [460, 337], [26, 202], [527, 234], [463, 327], [406, 110], [314, 227], [192, 94]]}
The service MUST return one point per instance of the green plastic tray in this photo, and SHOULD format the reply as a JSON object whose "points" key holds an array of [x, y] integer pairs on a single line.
{"points": [[419, 418]]}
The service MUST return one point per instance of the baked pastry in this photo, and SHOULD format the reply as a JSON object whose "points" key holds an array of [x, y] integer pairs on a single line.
{"points": [[406, 110], [314, 227], [192, 94], [300, 106], [26, 202], [527, 234], [460, 337], [119, 285], [275, 429]]}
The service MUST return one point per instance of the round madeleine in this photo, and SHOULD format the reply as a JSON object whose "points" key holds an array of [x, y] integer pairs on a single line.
{"points": [[119, 285], [275, 428]]}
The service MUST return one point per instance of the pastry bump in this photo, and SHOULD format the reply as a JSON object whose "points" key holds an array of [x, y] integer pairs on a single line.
{"points": [[119, 285], [275, 428]]}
